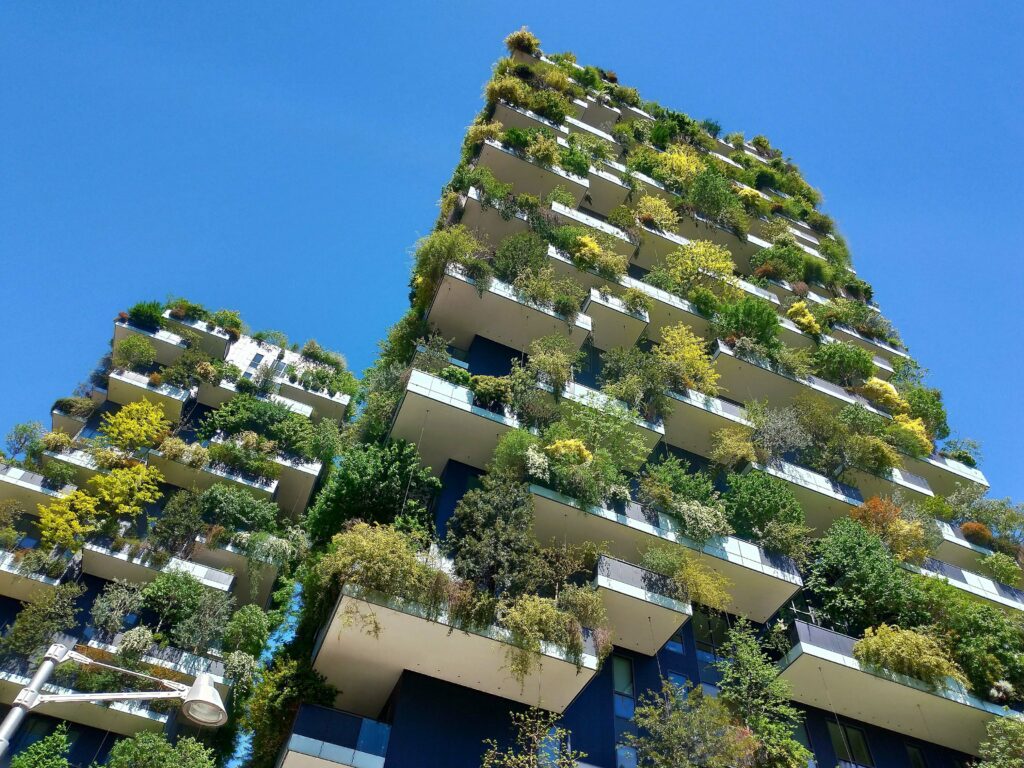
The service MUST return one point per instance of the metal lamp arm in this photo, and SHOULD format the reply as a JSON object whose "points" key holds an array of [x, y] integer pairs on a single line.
{"points": [[60, 698], [86, 661]]}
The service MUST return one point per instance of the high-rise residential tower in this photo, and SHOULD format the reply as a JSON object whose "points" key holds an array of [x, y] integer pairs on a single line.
{"points": [[680, 448]]}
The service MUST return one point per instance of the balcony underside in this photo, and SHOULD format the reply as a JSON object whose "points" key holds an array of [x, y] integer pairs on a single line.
{"points": [[460, 312], [642, 617], [695, 417], [834, 681], [366, 668], [527, 176], [442, 421], [758, 588], [613, 325], [823, 500]]}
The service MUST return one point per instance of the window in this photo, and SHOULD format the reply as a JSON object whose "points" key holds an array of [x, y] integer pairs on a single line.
{"points": [[678, 679], [916, 756], [676, 644], [850, 744], [623, 706], [709, 634], [801, 735]]}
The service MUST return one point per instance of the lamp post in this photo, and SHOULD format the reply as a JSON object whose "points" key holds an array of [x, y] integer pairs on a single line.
{"points": [[201, 702]]}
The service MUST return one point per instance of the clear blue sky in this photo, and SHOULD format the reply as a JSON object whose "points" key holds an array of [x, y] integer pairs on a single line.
{"points": [[282, 158]]}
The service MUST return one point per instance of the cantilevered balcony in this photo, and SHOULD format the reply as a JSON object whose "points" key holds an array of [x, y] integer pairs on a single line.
{"points": [[695, 417], [20, 583], [125, 387], [620, 242], [761, 583], [599, 114], [613, 323], [323, 737], [656, 244], [181, 663], [640, 610], [896, 480], [462, 310], [228, 558], [943, 474], [486, 222], [29, 489], [79, 459], [182, 475], [876, 347], [822, 499], [365, 666], [650, 432], [102, 560], [213, 340], [527, 175], [981, 588], [511, 116], [324, 405], [168, 346], [822, 672], [956, 550], [444, 423], [750, 378]]}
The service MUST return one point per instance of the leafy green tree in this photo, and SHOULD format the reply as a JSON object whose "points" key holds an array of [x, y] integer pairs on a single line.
{"points": [[856, 583], [152, 750], [843, 363], [173, 596], [204, 625], [52, 612], [683, 728], [114, 603], [763, 509], [926, 404], [247, 630], [755, 694], [539, 743], [22, 438], [376, 483], [491, 540], [275, 700], [49, 752], [179, 524], [1004, 747], [134, 353], [750, 318], [135, 425], [236, 509]]}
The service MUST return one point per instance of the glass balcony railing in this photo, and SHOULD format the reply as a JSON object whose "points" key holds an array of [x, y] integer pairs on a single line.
{"points": [[336, 736]]}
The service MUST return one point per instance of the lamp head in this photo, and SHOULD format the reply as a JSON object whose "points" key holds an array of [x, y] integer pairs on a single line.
{"points": [[203, 704]]}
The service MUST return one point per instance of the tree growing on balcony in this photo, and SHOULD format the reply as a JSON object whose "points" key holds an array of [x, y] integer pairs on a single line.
{"points": [[539, 743], [136, 425], [153, 750], [1004, 745], [134, 353], [49, 752], [126, 491], [680, 727], [52, 612]]}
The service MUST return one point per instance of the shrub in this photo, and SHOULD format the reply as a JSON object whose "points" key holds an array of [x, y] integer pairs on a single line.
{"points": [[552, 359], [656, 213], [1004, 745], [693, 581], [134, 353], [64, 522], [669, 480], [135, 425], [803, 319], [191, 454], [518, 254], [732, 446], [686, 361], [843, 363], [926, 405], [522, 40], [884, 395], [678, 166], [456, 375], [236, 509], [148, 315], [127, 491], [57, 442], [492, 392], [964, 450], [750, 318], [1002, 568], [762, 509], [907, 652], [452, 245], [698, 264], [637, 302], [637, 378], [183, 309], [777, 431], [977, 533], [82, 407], [905, 536], [909, 435]]}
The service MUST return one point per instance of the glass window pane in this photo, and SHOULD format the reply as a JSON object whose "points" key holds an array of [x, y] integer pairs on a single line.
{"points": [[916, 757], [678, 679], [623, 706], [838, 741], [859, 746], [622, 675], [625, 757]]}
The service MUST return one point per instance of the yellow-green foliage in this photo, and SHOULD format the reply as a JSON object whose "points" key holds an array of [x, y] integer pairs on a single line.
{"points": [[136, 425], [804, 320], [908, 652], [588, 253], [543, 149], [655, 212], [478, 132], [126, 491], [700, 263], [64, 522], [685, 357], [693, 581], [507, 88], [570, 450], [884, 395], [679, 165], [732, 446], [910, 435], [522, 40], [905, 537], [1002, 568], [57, 442]]}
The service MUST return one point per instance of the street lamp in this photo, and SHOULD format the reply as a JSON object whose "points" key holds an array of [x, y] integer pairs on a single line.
{"points": [[201, 702]]}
